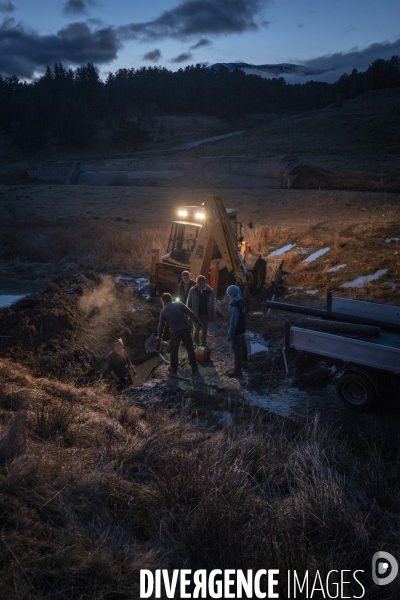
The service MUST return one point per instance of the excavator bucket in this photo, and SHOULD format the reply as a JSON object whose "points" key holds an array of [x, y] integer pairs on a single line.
{"points": [[274, 271]]}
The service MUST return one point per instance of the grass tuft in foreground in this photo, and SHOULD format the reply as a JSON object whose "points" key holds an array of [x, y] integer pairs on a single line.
{"points": [[95, 487]]}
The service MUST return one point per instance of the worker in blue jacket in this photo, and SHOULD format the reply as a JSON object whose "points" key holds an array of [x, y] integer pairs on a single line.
{"points": [[237, 330]]}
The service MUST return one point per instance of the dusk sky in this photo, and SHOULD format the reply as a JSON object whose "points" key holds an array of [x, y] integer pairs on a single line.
{"points": [[337, 34]]}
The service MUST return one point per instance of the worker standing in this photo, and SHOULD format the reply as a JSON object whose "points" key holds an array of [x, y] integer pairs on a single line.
{"points": [[174, 315], [201, 300], [184, 286], [237, 330]]}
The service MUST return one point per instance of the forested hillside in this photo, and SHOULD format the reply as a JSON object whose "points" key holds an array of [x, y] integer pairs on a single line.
{"points": [[68, 108]]}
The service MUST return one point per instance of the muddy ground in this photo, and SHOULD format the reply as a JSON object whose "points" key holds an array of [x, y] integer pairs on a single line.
{"points": [[66, 328], [67, 331]]}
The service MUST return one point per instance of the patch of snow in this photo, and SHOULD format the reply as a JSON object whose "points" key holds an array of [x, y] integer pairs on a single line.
{"points": [[334, 269], [142, 287], [311, 291], [281, 250], [360, 281], [315, 255], [392, 240]]}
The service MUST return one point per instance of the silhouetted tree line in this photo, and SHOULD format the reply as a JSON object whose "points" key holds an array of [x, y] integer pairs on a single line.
{"points": [[68, 107]]}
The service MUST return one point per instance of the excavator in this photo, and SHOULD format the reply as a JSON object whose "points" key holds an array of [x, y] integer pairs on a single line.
{"points": [[207, 240]]}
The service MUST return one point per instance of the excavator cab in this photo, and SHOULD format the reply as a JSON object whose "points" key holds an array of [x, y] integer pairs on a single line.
{"points": [[184, 234], [205, 240], [185, 231]]}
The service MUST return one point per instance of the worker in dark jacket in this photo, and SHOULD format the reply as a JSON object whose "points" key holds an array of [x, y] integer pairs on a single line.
{"points": [[237, 330], [184, 286], [201, 300], [174, 315]]}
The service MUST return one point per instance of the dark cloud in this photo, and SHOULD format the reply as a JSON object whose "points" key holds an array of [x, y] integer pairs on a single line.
{"points": [[199, 17], [184, 57], [7, 7], [201, 43], [77, 7], [22, 51], [345, 62], [153, 55]]}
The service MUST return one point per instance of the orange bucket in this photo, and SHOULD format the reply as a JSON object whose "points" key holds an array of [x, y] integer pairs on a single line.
{"points": [[202, 353]]}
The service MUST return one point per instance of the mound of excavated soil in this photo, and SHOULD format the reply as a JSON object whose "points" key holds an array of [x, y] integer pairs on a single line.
{"points": [[68, 329]]}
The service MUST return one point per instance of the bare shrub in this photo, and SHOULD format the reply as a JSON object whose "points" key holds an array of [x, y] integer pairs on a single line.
{"points": [[103, 246], [14, 442], [53, 418]]}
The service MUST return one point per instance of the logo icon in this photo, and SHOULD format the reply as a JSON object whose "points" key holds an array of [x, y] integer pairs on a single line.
{"points": [[384, 568]]}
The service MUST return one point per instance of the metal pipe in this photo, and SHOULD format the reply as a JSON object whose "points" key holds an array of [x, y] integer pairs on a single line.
{"points": [[324, 314]]}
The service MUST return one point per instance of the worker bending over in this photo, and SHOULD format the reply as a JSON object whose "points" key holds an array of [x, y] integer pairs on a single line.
{"points": [[174, 315], [119, 366], [237, 330]]}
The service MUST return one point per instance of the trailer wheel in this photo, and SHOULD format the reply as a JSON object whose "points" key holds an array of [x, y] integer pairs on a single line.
{"points": [[356, 389], [259, 271]]}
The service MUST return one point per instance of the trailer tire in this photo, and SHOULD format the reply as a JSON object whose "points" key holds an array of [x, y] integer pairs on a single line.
{"points": [[259, 272], [355, 389]]}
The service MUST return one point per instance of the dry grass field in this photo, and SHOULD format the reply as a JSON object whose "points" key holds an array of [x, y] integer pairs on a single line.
{"points": [[47, 229]]}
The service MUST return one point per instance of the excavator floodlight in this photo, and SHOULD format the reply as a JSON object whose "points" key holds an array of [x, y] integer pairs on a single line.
{"points": [[200, 216], [182, 213]]}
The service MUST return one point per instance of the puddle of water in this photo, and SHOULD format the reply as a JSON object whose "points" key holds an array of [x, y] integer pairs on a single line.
{"points": [[334, 269], [392, 240], [255, 342], [254, 348], [315, 255], [360, 281], [281, 250], [144, 370], [8, 299], [281, 404]]}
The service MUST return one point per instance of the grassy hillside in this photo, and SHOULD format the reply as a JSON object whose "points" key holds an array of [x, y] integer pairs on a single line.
{"points": [[359, 134]]}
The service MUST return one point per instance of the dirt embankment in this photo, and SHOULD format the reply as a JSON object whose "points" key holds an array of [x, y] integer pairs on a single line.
{"points": [[68, 330]]}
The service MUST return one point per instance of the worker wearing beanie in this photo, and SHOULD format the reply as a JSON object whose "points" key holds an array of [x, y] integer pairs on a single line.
{"points": [[237, 330]]}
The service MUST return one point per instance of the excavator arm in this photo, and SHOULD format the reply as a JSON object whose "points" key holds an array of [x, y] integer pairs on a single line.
{"points": [[217, 230]]}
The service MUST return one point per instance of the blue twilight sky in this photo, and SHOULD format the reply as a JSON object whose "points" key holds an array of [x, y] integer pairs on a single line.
{"points": [[336, 35]]}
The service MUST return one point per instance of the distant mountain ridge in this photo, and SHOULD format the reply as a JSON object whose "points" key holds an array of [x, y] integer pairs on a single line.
{"points": [[269, 70]]}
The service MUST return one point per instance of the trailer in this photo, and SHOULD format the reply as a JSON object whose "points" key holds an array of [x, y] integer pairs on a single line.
{"points": [[366, 353]]}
